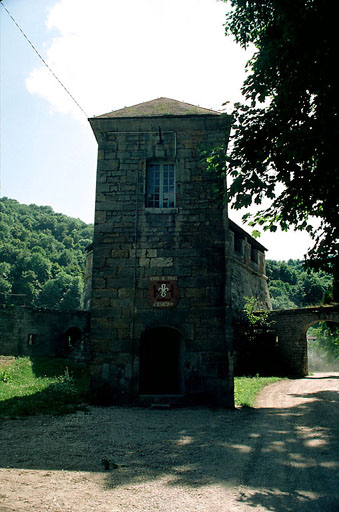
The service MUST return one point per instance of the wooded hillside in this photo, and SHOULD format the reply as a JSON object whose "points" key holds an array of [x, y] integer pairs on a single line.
{"points": [[42, 262], [42, 256], [291, 286]]}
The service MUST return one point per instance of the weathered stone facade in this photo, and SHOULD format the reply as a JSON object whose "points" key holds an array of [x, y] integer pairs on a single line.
{"points": [[143, 344], [135, 246], [31, 332], [290, 328], [248, 269]]}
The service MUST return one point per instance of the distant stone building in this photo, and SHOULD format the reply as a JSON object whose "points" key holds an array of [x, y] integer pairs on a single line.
{"points": [[168, 266]]}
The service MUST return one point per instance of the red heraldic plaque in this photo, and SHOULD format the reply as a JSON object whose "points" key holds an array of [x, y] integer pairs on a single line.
{"points": [[163, 292]]}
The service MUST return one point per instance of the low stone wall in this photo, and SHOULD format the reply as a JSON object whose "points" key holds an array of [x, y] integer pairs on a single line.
{"points": [[290, 327], [29, 332]]}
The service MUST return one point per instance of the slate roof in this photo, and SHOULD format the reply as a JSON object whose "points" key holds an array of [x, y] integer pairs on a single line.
{"points": [[160, 107]]}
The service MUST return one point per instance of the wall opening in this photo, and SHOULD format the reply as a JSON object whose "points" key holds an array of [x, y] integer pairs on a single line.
{"points": [[323, 347], [238, 243], [254, 255], [72, 338], [161, 362], [31, 338]]}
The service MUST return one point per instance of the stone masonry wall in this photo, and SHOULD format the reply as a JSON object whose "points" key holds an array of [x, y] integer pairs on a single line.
{"points": [[133, 243], [28, 332], [290, 328], [248, 273]]}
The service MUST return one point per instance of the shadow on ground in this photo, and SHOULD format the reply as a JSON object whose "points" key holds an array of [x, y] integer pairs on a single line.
{"points": [[281, 459]]}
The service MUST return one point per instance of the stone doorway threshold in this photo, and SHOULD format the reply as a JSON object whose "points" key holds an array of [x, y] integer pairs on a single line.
{"points": [[161, 401]]}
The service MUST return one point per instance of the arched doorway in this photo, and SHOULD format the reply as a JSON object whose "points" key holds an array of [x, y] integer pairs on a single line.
{"points": [[72, 338], [161, 362]]}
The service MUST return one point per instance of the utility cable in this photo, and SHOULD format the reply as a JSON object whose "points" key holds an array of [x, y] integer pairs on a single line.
{"points": [[42, 59]]}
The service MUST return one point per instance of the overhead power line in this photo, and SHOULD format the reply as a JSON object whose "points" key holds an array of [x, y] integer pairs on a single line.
{"points": [[42, 59]]}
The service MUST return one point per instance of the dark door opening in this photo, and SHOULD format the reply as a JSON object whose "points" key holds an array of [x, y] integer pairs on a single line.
{"points": [[161, 362], [72, 338]]}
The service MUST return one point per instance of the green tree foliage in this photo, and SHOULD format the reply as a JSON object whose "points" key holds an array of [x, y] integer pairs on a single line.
{"points": [[284, 144], [255, 350], [290, 286], [66, 288], [42, 256], [324, 341]]}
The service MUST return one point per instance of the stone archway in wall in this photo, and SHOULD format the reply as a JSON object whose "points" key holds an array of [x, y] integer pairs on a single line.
{"points": [[291, 327], [161, 362], [320, 354]]}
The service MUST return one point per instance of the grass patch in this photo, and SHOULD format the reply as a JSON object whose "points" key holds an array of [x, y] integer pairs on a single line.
{"points": [[246, 389], [41, 385]]}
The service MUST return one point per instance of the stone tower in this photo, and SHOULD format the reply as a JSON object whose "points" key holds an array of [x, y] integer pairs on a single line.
{"points": [[160, 286]]}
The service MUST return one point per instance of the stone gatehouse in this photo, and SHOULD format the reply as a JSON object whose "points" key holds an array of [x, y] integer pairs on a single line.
{"points": [[166, 272], [168, 266]]}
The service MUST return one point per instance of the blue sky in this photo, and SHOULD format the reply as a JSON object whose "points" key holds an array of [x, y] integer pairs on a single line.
{"points": [[108, 54]]}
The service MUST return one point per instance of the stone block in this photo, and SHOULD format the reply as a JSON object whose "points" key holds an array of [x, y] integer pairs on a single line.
{"points": [[161, 262], [122, 282], [98, 283], [120, 253], [195, 292], [125, 293], [100, 302]]}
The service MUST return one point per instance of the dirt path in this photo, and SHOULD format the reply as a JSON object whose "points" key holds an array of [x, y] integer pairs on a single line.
{"points": [[282, 456]]}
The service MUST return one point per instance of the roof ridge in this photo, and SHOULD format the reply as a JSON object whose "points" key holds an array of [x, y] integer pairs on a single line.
{"points": [[158, 107]]}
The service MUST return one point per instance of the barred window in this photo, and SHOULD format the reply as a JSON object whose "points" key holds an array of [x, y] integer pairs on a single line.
{"points": [[160, 185]]}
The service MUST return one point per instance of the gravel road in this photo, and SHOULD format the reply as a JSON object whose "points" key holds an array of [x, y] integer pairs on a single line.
{"points": [[282, 456]]}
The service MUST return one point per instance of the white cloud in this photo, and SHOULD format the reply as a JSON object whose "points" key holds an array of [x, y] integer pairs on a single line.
{"points": [[114, 53], [120, 52]]}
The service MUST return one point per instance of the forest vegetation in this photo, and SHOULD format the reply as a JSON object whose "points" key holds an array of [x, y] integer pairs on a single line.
{"points": [[42, 256], [42, 263], [291, 286]]}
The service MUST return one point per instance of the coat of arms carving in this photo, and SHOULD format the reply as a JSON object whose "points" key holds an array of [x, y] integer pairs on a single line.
{"points": [[163, 292]]}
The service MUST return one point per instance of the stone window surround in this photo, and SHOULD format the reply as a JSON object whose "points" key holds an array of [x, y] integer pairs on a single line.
{"points": [[162, 163], [161, 211]]}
